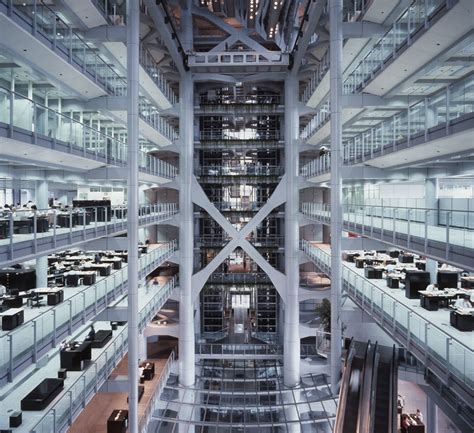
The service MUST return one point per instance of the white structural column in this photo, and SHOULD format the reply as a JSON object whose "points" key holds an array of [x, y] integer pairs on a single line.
{"points": [[431, 201], [335, 30], [291, 346], [41, 201], [142, 347], [431, 416], [432, 268], [133, 47], [186, 229]]}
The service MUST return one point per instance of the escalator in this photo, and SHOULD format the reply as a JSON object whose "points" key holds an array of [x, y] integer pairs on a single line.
{"points": [[368, 395]]}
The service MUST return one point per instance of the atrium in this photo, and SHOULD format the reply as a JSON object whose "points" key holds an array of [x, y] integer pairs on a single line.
{"points": [[237, 216]]}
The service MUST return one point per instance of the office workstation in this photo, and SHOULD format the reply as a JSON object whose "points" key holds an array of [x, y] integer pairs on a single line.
{"points": [[451, 291], [68, 272], [27, 219]]}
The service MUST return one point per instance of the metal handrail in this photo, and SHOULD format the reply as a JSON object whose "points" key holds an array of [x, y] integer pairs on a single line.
{"points": [[309, 249]]}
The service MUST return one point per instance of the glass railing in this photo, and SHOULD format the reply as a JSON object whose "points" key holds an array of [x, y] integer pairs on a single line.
{"points": [[319, 73], [53, 229], [316, 167], [225, 135], [442, 108], [240, 170], [148, 63], [42, 20], [152, 404], [238, 349], [229, 206], [238, 278], [69, 134], [83, 55], [356, 9], [318, 121], [75, 397], [415, 330], [113, 12], [225, 99], [150, 114], [415, 18], [26, 343], [453, 229]]}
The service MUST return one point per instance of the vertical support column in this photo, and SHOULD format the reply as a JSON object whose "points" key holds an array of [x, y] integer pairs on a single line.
{"points": [[335, 31], [16, 191], [62, 198], [431, 201], [142, 346], [133, 47], [41, 200], [291, 346], [432, 268], [186, 229], [431, 415]]}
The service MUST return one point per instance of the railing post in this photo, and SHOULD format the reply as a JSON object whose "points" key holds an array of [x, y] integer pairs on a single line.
{"points": [[35, 341], [408, 228], [11, 231], [448, 224], [448, 108], [427, 212]]}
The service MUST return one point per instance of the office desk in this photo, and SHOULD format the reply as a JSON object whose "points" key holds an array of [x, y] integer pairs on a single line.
{"points": [[116, 262], [72, 278], [372, 261], [14, 301], [54, 296], [467, 282], [359, 263], [65, 220], [99, 210], [420, 264], [104, 269], [82, 219], [26, 225], [415, 281], [430, 300], [447, 279], [462, 319], [118, 421], [350, 257], [12, 318], [406, 258], [74, 355], [393, 282], [372, 273], [4, 228]]}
